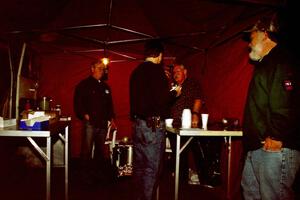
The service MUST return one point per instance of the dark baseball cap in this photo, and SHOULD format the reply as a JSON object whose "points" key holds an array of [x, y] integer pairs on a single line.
{"points": [[267, 23]]}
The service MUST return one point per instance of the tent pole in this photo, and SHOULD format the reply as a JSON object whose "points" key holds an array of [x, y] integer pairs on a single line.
{"points": [[11, 82], [18, 78]]}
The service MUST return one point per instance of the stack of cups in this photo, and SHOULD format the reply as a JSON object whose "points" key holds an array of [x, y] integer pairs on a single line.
{"points": [[186, 119]]}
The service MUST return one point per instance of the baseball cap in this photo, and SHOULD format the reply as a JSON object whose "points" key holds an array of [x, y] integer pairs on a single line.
{"points": [[266, 23]]}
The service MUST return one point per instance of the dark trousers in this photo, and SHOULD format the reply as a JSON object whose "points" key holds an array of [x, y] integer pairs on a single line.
{"points": [[94, 164]]}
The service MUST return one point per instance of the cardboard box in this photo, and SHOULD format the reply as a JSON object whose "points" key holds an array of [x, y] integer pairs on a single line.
{"points": [[7, 122]]}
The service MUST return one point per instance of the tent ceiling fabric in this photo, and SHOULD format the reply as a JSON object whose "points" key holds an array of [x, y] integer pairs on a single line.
{"points": [[186, 26]]}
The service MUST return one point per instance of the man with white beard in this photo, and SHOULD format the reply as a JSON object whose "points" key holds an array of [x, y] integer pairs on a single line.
{"points": [[271, 131], [257, 51]]}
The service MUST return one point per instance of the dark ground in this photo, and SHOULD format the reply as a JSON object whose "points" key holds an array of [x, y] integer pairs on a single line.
{"points": [[18, 182]]}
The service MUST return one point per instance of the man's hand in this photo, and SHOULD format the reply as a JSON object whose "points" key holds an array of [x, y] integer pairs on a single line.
{"points": [[272, 145], [195, 121], [178, 90]]}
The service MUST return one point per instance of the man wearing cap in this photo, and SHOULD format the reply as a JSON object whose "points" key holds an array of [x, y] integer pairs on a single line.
{"points": [[271, 117]]}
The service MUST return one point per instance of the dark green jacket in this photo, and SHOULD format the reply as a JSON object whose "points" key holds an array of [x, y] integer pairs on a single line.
{"points": [[272, 107]]}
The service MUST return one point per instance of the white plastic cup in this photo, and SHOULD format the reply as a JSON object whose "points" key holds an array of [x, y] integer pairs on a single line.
{"points": [[204, 118], [186, 119], [169, 122]]}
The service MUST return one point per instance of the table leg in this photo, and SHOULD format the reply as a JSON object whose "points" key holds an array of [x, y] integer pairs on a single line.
{"points": [[177, 166], [178, 152], [48, 169], [67, 163], [47, 158], [228, 168]]}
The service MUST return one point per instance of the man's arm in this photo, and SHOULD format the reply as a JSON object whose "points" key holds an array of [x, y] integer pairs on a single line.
{"points": [[196, 112]]}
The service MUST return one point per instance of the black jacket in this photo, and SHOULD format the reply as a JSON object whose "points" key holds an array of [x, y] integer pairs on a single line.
{"points": [[94, 98], [149, 92]]}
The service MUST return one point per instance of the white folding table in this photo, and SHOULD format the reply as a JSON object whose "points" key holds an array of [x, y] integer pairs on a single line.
{"points": [[58, 128], [197, 132]]}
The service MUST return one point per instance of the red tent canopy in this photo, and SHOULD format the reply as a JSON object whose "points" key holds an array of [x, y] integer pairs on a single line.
{"points": [[63, 37]]}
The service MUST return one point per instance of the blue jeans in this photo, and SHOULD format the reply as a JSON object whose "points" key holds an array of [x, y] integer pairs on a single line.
{"points": [[148, 151], [269, 175], [92, 166]]}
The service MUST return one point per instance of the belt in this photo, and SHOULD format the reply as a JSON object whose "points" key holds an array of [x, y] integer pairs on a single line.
{"points": [[147, 118]]}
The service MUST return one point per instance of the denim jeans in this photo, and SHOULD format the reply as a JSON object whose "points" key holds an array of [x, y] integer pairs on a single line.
{"points": [[269, 175], [92, 165], [148, 151]]}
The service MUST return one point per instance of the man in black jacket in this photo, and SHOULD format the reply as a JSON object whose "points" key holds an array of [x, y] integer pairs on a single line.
{"points": [[150, 101], [93, 105], [271, 118]]}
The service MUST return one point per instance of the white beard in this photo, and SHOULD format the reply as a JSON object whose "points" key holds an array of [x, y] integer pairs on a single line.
{"points": [[256, 52]]}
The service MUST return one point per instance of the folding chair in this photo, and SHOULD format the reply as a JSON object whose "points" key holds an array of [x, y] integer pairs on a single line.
{"points": [[111, 140]]}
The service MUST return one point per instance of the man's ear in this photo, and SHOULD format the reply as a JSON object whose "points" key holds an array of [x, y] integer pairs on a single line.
{"points": [[266, 35], [185, 72]]}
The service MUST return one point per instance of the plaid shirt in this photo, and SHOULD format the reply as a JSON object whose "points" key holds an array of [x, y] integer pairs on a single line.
{"points": [[190, 91]]}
